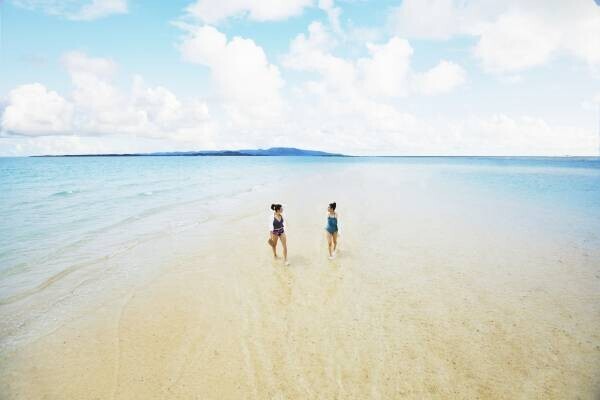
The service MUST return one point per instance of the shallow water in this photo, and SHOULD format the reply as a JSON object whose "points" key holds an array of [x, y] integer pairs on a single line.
{"points": [[150, 278]]}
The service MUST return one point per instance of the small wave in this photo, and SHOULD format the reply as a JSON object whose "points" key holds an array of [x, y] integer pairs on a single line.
{"points": [[65, 193], [149, 193]]}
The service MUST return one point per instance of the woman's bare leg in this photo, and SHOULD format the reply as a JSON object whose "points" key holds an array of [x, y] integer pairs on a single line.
{"points": [[284, 243], [274, 247], [334, 236], [329, 243]]}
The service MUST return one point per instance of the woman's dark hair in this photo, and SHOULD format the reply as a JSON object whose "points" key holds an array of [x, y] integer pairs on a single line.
{"points": [[332, 205], [275, 207]]}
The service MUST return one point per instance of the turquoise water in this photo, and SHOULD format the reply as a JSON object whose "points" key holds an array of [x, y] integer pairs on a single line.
{"points": [[60, 212]]}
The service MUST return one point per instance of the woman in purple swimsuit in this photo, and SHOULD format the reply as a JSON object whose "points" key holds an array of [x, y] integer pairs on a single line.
{"points": [[276, 232]]}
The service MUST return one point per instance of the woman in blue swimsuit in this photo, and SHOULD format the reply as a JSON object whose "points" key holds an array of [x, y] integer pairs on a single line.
{"points": [[332, 229], [276, 232]]}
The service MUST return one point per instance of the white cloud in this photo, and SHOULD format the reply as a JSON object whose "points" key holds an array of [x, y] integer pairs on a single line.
{"points": [[385, 72], [98, 101], [510, 79], [34, 110], [333, 14], [77, 9], [100, 8], [500, 134], [313, 53], [512, 35], [215, 11], [79, 64], [516, 41], [363, 34], [166, 116], [592, 103], [440, 79], [246, 83], [426, 19], [96, 107], [584, 39]]}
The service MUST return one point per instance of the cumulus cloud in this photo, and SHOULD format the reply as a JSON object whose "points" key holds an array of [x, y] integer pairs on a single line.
{"points": [[34, 110], [245, 81], [312, 53], [99, 103], [386, 72], [512, 35], [97, 107], [215, 11], [76, 9], [516, 41], [440, 79]]}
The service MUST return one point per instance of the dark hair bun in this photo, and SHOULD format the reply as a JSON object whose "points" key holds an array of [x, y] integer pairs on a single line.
{"points": [[273, 207], [332, 205]]}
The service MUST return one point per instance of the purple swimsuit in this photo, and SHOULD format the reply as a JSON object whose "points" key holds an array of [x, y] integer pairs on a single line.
{"points": [[277, 227]]}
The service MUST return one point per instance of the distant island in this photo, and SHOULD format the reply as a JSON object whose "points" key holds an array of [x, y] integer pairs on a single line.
{"points": [[273, 151]]}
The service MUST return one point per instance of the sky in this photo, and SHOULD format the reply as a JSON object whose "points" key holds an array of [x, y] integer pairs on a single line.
{"points": [[403, 77]]}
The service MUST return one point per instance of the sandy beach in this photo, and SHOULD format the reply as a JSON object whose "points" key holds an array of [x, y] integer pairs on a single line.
{"points": [[435, 293]]}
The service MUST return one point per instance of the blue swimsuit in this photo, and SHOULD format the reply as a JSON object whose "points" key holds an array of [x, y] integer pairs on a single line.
{"points": [[331, 225]]}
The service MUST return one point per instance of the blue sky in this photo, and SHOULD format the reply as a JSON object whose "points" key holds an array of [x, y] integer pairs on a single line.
{"points": [[363, 77]]}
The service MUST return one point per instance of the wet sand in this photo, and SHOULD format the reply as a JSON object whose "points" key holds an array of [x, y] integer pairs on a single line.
{"points": [[431, 296]]}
